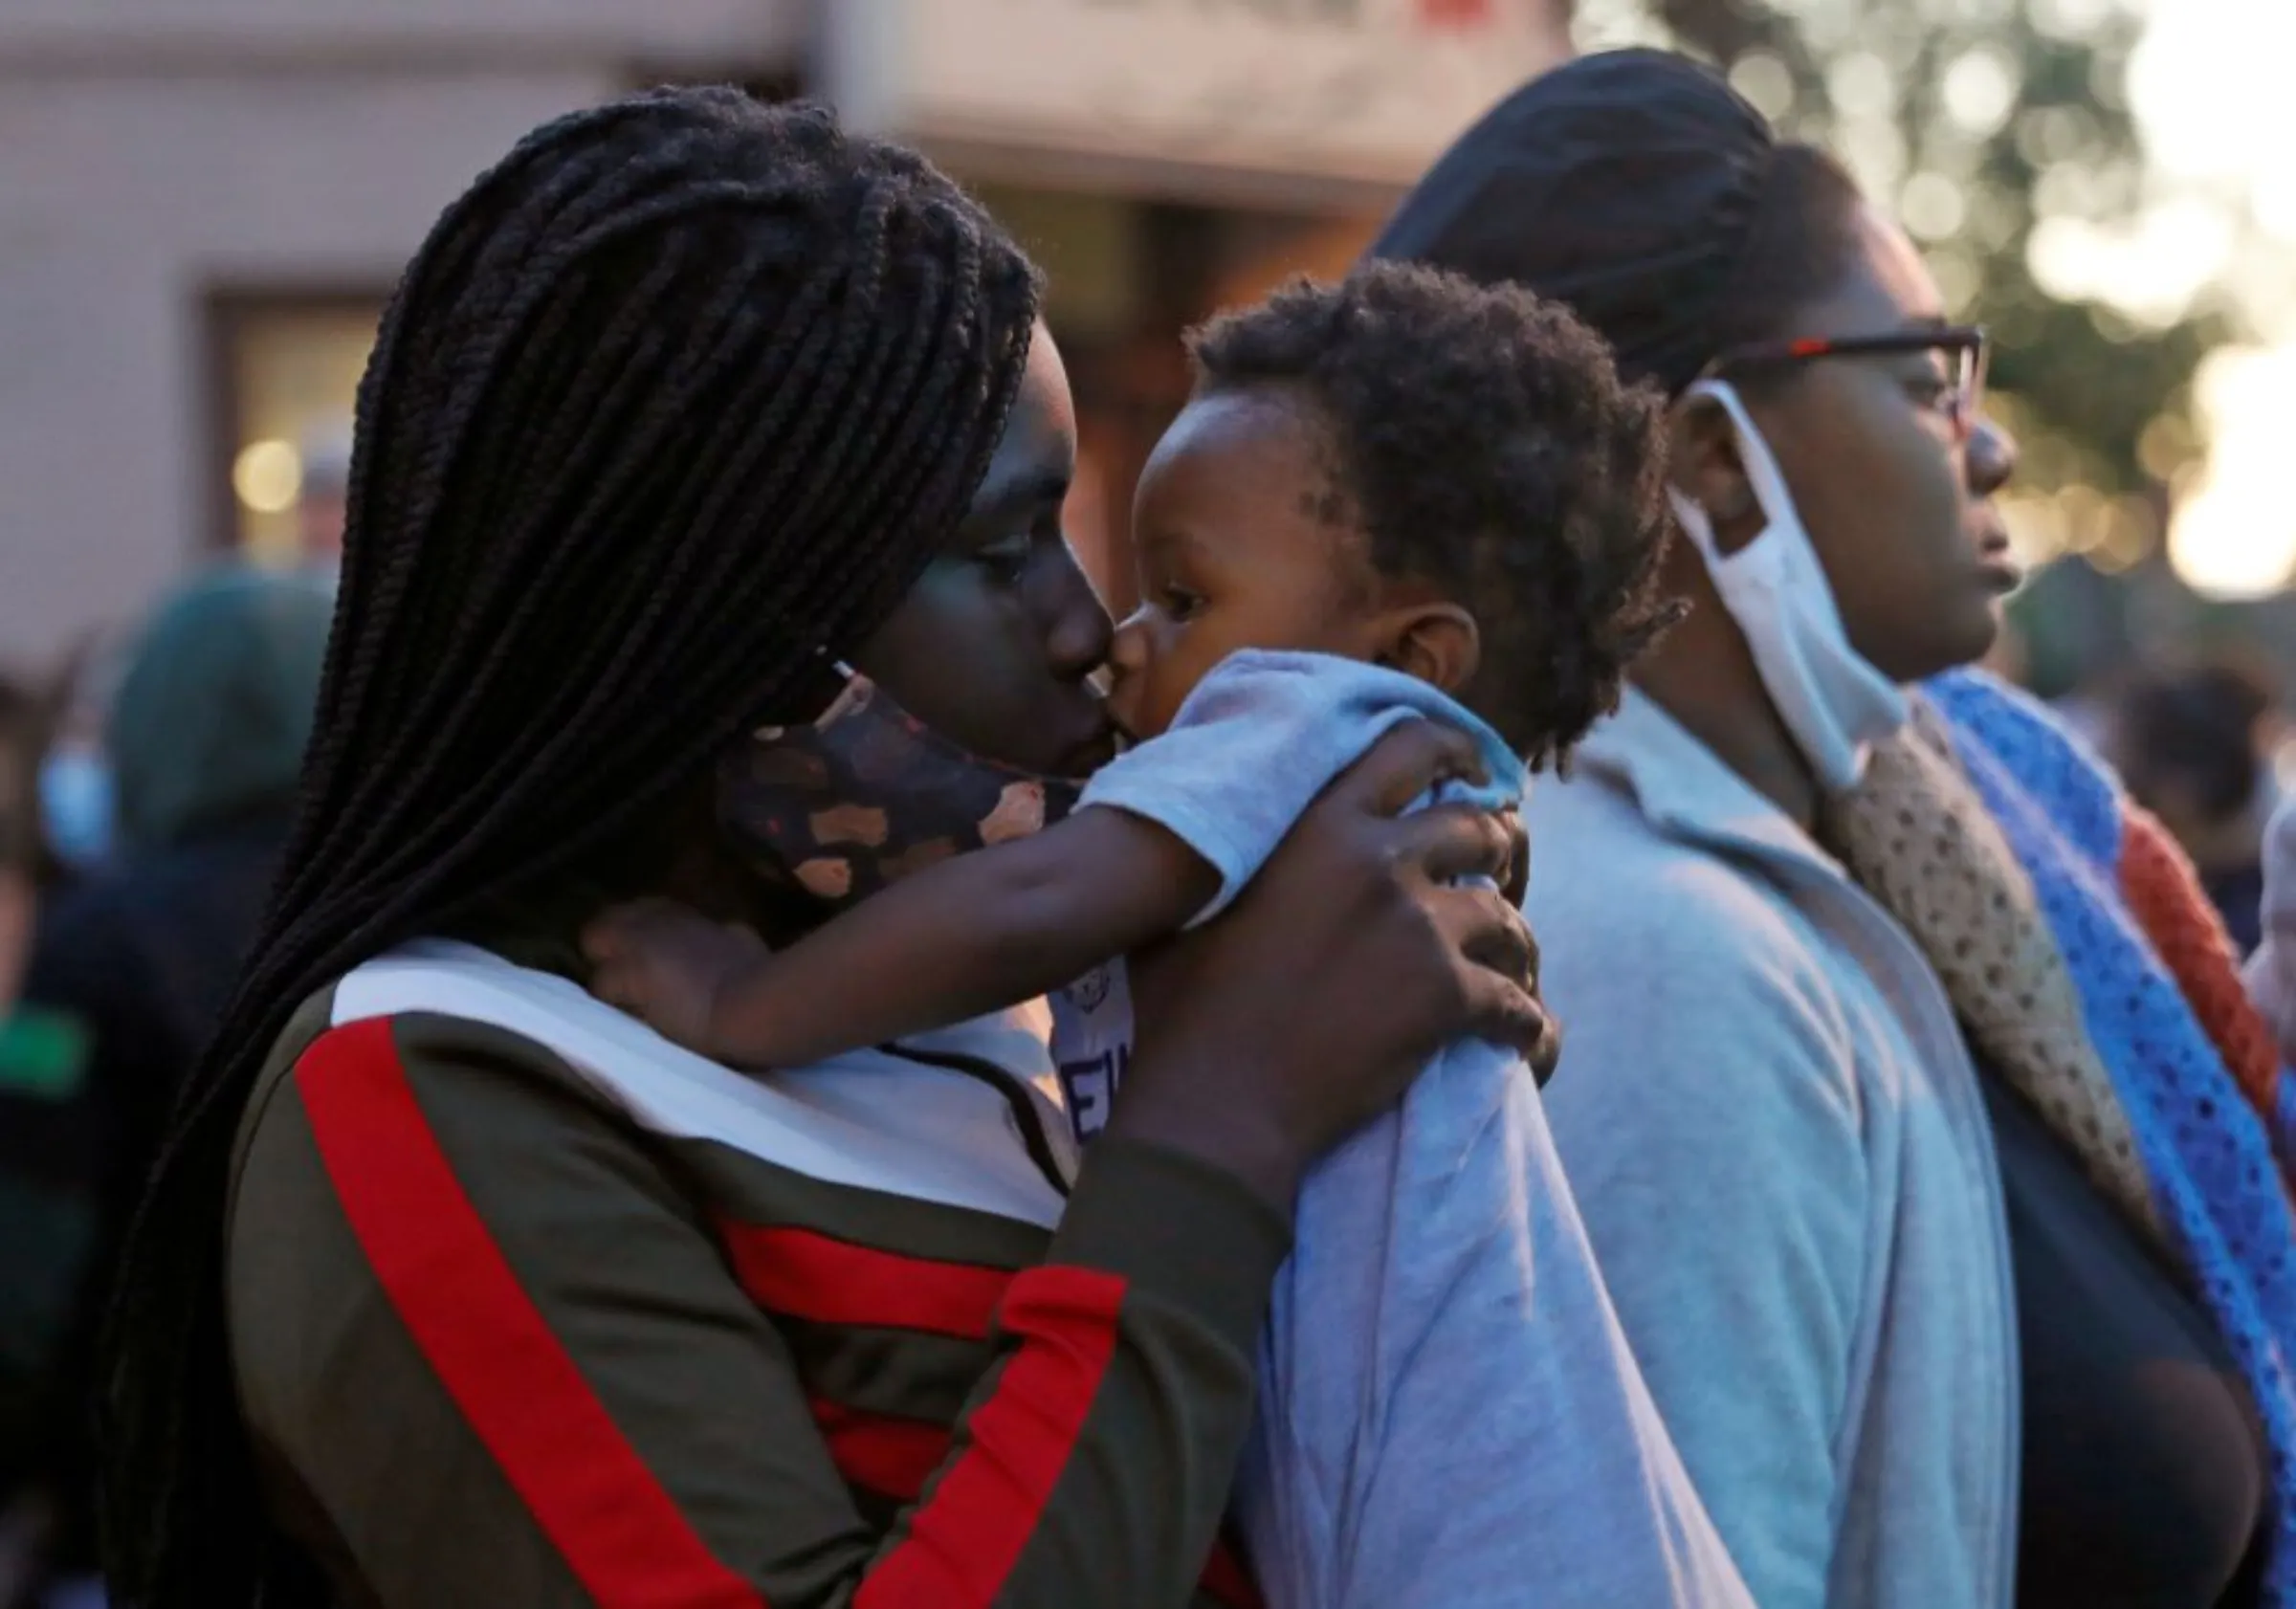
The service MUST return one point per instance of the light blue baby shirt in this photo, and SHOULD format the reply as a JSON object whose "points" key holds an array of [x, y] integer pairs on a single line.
{"points": [[1450, 1416]]}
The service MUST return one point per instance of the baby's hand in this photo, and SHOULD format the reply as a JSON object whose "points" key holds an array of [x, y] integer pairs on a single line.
{"points": [[668, 965]]}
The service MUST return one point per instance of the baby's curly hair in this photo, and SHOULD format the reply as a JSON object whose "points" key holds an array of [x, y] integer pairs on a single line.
{"points": [[1483, 441]]}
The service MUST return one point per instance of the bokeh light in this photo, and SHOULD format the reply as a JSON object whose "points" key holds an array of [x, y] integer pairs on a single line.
{"points": [[268, 475], [1933, 207], [1862, 86], [1980, 90], [2151, 269], [2233, 531], [1765, 82]]}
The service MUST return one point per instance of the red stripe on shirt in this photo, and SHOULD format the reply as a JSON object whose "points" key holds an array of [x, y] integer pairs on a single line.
{"points": [[893, 1458], [963, 1544], [877, 1452], [617, 1529], [803, 1274]]}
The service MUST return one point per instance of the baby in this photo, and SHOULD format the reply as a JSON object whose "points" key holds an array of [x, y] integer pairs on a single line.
{"points": [[1303, 502]]}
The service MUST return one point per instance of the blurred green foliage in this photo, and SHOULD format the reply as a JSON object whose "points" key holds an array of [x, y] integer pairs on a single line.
{"points": [[1975, 122], [1982, 124]]}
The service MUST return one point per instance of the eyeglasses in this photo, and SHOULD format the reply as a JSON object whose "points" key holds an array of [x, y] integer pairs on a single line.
{"points": [[1953, 391]]}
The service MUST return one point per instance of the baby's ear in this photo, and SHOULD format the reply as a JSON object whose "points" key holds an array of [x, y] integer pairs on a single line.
{"points": [[1438, 643]]}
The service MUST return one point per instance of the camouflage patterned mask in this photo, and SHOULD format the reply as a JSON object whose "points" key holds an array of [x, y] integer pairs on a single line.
{"points": [[866, 793]]}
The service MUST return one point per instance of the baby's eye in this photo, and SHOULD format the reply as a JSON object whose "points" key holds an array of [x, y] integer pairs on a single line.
{"points": [[1180, 602]]}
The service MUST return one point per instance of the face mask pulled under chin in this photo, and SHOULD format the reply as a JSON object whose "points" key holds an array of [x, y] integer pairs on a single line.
{"points": [[865, 794], [1834, 703]]}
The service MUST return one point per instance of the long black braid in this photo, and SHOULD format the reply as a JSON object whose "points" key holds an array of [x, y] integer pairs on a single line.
{"points": [[683, 392]]}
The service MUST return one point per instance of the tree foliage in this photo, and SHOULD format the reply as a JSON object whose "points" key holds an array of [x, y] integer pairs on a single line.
{"points": [[1979, 123], [1998, 131]]}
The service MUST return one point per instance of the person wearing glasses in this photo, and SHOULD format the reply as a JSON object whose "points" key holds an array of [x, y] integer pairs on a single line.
{"points": [[1923, 1132]]}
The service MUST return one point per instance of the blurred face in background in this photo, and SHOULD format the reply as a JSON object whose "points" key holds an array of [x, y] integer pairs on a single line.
{"points": [[320, 521], [19, 839], [2195, 745], [321, 505]]}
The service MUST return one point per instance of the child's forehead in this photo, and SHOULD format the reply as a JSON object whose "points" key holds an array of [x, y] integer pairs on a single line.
{"points": [[1251, 480], [1274, 419], [1261, 444]]}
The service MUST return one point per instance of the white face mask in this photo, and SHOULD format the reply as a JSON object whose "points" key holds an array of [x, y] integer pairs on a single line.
{"points": [[1835, 705]]}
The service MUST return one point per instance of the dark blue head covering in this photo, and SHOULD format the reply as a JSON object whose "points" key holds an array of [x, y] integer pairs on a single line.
{"points": [[1625, 185], [215, 707]]}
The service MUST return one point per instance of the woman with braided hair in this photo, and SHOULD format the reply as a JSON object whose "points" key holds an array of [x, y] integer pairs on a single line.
{"points": [[454, 1285]]}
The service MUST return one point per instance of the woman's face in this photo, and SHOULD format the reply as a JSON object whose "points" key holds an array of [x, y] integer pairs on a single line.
{"points": [[1896, 504], [993, 645]]}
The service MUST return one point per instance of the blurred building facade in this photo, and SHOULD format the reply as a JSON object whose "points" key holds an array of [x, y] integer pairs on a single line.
{"points": [[203, 204]]}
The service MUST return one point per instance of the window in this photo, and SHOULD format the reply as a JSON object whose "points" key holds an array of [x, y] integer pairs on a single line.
{"points": [[287, 371]]}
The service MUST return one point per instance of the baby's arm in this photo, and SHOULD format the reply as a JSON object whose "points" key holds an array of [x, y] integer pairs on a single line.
{"points": [[970, 936]]}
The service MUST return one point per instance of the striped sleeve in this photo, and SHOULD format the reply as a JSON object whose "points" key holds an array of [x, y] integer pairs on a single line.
{"points": [[494, 1350]]}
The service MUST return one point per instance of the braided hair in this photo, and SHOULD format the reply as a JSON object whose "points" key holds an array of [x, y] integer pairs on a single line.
{"points": [[684, 392]]}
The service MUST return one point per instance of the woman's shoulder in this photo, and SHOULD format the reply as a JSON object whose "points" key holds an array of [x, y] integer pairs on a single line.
{"points": [[388, 1015], [1603, 878], [1660, 953], [354, 1078], [1589, 824], [418, 1027]]}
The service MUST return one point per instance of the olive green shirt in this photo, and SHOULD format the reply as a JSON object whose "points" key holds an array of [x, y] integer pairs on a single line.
{"points": [[529, 1308]]}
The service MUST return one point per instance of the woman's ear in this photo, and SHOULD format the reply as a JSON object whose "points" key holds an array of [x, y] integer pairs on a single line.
{"points": [[1703, 466], [1438, 643]]}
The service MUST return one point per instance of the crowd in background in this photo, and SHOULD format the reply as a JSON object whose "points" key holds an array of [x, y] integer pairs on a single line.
{"points": [[146, 791], [144, 798]]}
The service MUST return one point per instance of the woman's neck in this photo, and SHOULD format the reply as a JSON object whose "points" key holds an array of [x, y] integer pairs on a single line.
{"points": [[1702, 675]]}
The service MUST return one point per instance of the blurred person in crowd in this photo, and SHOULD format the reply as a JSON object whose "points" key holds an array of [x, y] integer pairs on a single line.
{"points": [[75, 778], [21, 726], [131, 968], [2271, 971], [2009, 658], [323, 495], [1909, 1092], [27, 1516], [455, 1285], [2195, 743]]}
